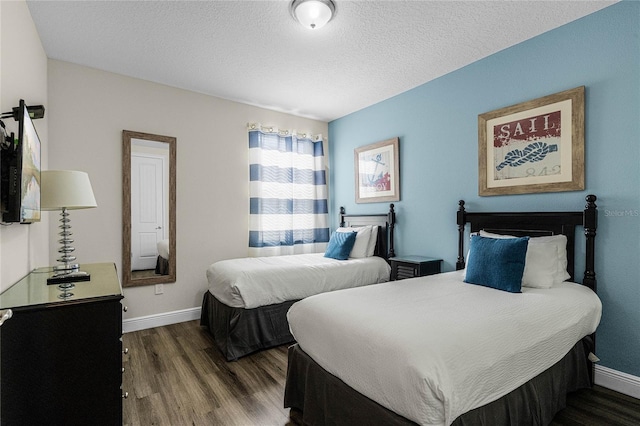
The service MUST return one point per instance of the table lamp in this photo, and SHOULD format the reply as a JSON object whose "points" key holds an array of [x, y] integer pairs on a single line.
{"points": [[66, 190]]}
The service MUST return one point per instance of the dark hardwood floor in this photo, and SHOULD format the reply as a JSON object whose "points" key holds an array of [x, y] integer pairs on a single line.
{"points": [[599, 406], [176, 376]]}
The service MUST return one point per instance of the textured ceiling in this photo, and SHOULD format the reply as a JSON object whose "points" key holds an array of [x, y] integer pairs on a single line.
{"points": [[254, 52]]}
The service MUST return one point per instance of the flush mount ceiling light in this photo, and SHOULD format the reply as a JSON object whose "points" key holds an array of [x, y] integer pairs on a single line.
{"points": [[312, 14]]}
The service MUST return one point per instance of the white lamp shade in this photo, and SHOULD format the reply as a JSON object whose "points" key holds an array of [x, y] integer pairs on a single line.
{"points": [[313, 14], [66, 188]]}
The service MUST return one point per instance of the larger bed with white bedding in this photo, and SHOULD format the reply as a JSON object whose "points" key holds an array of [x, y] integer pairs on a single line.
{"points": [[247, 301], [438, 350]]}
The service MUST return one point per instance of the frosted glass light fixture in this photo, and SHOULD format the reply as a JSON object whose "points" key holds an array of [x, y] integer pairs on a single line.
{"points": [[312, 14]]}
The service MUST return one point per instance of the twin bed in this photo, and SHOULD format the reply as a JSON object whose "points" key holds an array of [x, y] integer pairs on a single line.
{"points": [[441, 350], [162, 262], [246, 305]]}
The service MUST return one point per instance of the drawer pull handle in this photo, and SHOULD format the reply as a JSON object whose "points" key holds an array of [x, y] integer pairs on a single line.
{"points": [[125, 395]]}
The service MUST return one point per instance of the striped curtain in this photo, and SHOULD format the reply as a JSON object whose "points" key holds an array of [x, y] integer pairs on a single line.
{"points": [[288, 193]]}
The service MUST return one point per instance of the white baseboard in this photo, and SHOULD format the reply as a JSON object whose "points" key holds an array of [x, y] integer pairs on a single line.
{"points": [[158, 320], [617, 381]]}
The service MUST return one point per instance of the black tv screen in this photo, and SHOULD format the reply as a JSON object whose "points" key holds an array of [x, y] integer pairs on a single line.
{"points": [[21, 168]]}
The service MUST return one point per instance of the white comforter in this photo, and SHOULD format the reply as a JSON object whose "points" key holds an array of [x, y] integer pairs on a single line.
{"points": [[433, 348], [259, 281]]}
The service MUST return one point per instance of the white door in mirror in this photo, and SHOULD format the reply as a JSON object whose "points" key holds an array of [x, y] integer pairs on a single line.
{"points": [[147, 209]]}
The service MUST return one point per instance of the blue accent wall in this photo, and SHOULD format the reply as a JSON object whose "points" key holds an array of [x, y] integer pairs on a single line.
{"points": [[438, 131]]}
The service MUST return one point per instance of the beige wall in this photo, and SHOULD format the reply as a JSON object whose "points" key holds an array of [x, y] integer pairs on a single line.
{"points": [[23, 75], [88, 109]]}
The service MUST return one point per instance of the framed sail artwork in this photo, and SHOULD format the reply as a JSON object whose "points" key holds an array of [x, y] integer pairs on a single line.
{"points": [[534, 146], [377, 172]]}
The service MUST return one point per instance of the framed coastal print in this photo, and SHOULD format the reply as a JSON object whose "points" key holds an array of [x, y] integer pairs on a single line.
{"points": [[534, 146], [377, 172]]}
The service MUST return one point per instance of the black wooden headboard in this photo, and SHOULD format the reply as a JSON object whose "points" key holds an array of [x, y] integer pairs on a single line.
{"points": [[537, 224], [385, 222]]}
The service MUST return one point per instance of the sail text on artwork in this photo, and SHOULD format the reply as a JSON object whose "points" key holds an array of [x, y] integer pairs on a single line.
{"points": [[526, 129]]}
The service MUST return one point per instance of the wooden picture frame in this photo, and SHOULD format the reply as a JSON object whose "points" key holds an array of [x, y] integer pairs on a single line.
{"points": [[377, 172], [535, 146]]}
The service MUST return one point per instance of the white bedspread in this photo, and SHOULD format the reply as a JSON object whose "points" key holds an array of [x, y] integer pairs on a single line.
{"points": [[259, 281], [433, 348]]}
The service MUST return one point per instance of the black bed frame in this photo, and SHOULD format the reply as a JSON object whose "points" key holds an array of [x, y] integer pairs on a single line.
{"points": [[317, 397], [238, 332], [385, 222], [536, 225]]}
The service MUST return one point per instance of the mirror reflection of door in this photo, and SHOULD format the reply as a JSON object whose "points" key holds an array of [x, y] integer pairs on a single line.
{"points": [[148, 209], [149, 202]]}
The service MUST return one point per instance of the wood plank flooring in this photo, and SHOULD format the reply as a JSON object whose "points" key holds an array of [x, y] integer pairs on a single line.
{"points": [[176, 376], [599, 406]]}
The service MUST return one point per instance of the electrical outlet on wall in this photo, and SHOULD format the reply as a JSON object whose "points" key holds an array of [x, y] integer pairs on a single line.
{"points": [[159, 288]]}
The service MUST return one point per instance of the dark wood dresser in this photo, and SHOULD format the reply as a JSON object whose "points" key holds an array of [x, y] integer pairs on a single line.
{"points": [[61, 359]]}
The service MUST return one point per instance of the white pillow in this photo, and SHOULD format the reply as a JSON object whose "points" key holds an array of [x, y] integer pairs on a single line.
{"points": [[546, 261], [361, 245], [371, 248], [560, 242]]}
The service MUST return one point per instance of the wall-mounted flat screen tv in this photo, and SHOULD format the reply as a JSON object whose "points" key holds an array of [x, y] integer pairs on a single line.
{"points": [[20, 170]]}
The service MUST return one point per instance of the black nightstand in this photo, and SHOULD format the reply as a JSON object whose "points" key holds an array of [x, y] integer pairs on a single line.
{"points": [[413, 266]]}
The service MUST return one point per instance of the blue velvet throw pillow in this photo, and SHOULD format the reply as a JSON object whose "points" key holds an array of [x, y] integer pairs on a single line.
{"points": [[340, 245], [497, 263]]}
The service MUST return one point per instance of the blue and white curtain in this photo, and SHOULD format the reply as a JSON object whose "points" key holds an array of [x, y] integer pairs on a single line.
{"points": [[288, 193]]}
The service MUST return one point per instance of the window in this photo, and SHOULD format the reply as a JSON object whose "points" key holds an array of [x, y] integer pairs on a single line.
{"points": [[288, 194]]}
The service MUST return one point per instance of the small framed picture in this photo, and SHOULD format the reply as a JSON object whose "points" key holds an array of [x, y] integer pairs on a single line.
{"points": [[377, 172], [534, 146]]}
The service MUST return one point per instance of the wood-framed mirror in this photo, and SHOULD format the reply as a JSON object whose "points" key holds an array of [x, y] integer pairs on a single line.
{"points": [[148, 209]]}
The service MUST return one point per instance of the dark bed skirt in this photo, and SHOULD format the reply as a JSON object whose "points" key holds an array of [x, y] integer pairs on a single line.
{"points": [[318, 398], [239, 332], [162, 266]]}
